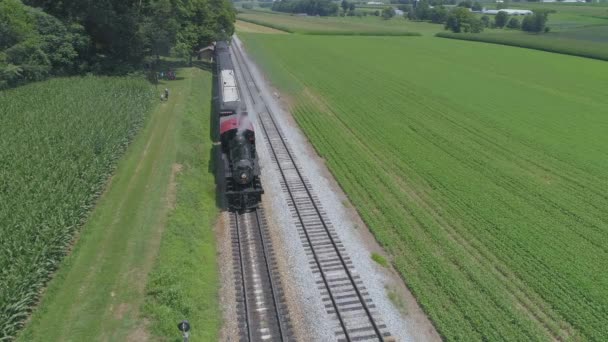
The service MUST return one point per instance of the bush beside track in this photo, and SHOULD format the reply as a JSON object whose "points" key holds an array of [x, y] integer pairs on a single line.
{"points": [[529, 41]]}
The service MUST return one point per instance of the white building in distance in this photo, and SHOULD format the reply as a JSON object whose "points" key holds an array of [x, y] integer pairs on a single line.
{"points": [[508, 11]]}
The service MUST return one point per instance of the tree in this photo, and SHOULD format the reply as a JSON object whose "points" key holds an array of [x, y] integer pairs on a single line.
{"points": [[485, 20], [476, 6], [502, 5], [465, 4], [344, 4], [438, 15], [388, 12], [535, 22], [500, 20], [513, 24], [461, 19]]}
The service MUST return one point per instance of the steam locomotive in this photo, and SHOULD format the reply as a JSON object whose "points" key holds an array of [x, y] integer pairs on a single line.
{"points": [[241, 171]]}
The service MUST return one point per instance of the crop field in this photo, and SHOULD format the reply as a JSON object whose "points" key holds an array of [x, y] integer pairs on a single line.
{"points": [[586, 42], [369, 25], [59, 141], [480, 168]]}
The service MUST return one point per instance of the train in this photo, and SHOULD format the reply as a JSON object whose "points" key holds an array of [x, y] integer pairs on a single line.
{"points": [[240, 167]]}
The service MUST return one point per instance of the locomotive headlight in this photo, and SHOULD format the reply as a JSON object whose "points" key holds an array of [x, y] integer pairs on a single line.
{"points": [[244, 176]]}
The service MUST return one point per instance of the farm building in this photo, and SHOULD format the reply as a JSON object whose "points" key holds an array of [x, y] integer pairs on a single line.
{"points": [[508, 11], [206, 52]]}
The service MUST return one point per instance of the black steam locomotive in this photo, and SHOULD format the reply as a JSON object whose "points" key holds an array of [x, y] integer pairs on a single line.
{"points": [[241, 171]]}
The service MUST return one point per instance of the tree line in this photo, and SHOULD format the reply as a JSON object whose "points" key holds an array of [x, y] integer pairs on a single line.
{"points": [[42, 38], [461, 19], [310, 7]]}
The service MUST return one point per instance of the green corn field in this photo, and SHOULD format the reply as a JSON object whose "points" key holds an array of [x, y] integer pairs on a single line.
{"points": [[59, 141]]}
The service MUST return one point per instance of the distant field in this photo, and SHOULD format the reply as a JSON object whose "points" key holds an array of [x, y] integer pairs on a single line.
{"points": [[480, 168], [244, 26], [59, 141], [581, 42], [339, 25], [580, 30]]}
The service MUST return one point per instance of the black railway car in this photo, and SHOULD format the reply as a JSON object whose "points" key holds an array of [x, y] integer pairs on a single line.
{"points": [[241, 170]]}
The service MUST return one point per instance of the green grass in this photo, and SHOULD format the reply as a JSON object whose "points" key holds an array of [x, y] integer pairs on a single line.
{"points": [[369, 25], [183, 284], [99, 292], [380, 259], [59, 141], [569, 43], [481, 169]]}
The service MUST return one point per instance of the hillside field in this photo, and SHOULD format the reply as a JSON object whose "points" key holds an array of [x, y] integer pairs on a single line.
{"points": [[338, 25], [480, 168]]}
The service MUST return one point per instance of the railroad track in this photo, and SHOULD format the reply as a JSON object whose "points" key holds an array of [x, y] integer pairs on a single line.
{"points": [[346, 300], [261, 306]]}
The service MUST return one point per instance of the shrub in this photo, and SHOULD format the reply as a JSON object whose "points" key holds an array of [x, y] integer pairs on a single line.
{"points": [[513, 23]]}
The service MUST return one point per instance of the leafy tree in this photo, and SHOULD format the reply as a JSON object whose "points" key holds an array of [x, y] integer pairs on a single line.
{"points": [[461, 19], [438, 14], [476, 6], [421, 11], [502, 5], [513, 23], [344, 5], [535, 22], [465, 4], [377, 13], [310, 7], [388, 12], [501, 18], [485, 20]]}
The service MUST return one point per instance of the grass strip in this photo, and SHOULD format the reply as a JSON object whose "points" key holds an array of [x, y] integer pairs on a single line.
{"points": [[183, 283]]}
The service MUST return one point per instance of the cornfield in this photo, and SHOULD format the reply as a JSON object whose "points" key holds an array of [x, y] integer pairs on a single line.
{"points": [[59, 141]]}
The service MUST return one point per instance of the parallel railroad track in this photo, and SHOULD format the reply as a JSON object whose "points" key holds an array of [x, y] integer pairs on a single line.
{"points": [[346, 300], [261, 305]]}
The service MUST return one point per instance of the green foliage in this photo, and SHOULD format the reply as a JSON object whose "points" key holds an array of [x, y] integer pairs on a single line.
{"points": [[575, 47], [485, 20], [113, 36], [476, 6], [491, 207], [388, 12], [380, 259], [535, 22], [501, 18], [60, 141], [37, 44], [461, 19], [466, 4], [513, 24], [310, 7]]}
